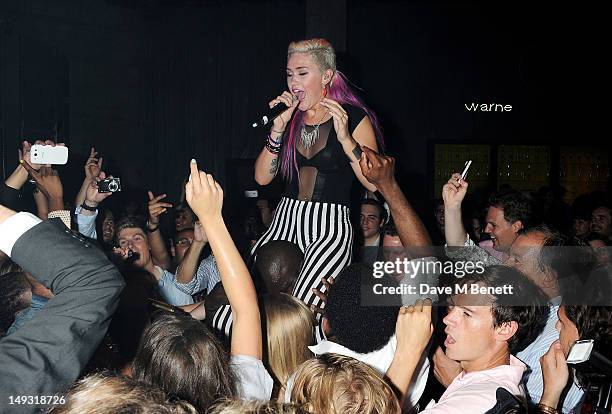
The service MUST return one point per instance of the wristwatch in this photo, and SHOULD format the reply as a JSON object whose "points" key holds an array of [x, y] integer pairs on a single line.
{"points": [[89, 208]]}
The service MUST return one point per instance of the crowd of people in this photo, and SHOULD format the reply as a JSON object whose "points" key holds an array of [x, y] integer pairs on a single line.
{"points": [[104, 311]]}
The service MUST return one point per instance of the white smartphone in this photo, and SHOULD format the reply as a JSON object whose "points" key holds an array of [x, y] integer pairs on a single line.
{"points": [[47, 154], [580, 351], [465, 170]]}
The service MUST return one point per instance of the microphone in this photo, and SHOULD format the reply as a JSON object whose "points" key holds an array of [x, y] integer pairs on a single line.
{"points": [[132, 256], [269, 116]]}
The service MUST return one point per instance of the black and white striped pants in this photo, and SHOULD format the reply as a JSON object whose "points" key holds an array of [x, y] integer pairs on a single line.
{"points": [[323, 232]]}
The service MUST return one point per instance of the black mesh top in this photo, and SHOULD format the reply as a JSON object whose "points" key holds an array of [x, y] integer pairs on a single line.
{"points": [[325, 171]]}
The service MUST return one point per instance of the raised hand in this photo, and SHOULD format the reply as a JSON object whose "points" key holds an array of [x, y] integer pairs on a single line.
{"points": [[453, 192], [340, 118], [555, 374], [204, 195], [412, 330], [93, 166], [24, 154], [93, 197], [280, 122], [26, 147], [377, 169], [157, 207], [47, 180], [413, 327]]}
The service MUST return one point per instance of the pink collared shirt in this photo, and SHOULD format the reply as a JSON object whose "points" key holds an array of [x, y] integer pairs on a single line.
{"points": [[474, 392]]}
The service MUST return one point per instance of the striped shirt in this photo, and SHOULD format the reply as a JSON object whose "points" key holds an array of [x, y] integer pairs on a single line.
{"points": [[531, 357], [206, 277]]}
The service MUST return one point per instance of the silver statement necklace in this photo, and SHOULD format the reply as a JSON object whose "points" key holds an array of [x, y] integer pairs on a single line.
{"points": [[309, 138]]}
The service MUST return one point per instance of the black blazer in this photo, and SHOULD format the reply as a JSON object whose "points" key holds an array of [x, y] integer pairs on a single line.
{"points": [[46, 355]]}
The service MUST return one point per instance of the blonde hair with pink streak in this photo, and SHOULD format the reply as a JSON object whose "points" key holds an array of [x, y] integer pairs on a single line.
{"points": [[324, 56], [320, 49]]}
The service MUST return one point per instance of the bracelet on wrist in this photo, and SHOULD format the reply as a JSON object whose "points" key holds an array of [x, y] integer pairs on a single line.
{"points": [[84, 206], [275, 142], [546, 409], [278, 132], [272, 150], [272, 146], [151, 229]]}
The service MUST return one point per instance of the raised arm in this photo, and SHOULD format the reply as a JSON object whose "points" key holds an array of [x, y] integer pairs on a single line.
{"points": [[42, 204], [9, 193], [186, 270], [87, 212], [268, 161], [18, 178], [158, 248], [205, 197], [49, 183], [453, 194], [380, 171], [93, 168], [413, 331], [352, 142]]}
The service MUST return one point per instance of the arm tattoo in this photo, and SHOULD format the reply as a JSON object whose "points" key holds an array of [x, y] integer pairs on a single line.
{"points": [[274, 166], [357, 152]]}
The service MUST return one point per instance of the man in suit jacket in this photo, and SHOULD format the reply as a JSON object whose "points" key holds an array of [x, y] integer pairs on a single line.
{"points": [[47, 354]]}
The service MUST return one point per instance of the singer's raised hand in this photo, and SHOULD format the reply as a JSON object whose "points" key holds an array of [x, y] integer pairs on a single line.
{"points": [[280, 122], [340, 117]]}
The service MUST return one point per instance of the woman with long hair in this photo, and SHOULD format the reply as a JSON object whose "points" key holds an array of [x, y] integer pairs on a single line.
{"points": [[289, 326], [316, 144]]}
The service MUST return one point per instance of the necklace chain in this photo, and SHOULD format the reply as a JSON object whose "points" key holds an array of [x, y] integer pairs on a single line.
{"points": [[309, 138]]}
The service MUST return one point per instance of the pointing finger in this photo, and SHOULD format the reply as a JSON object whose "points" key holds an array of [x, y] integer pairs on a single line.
{"points": [[194, 177]]}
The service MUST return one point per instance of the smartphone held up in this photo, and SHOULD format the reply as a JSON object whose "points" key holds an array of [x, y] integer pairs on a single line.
{"points": [[48, 154]]}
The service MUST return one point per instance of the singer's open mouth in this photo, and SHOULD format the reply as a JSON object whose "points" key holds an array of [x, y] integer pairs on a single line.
{"points": [[299, 94]]}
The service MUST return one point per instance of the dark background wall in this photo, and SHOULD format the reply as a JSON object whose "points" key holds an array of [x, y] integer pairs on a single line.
{"points": [[153, 83]]}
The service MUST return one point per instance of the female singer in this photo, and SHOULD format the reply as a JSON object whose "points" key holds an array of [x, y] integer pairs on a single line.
{"points": [[316, 143]]}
